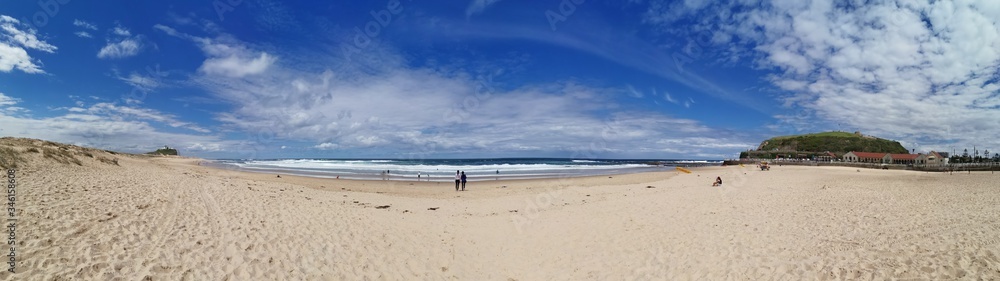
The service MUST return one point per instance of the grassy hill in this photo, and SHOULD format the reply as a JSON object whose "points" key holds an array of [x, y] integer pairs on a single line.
{"points": [[164, 151], [19, 152], [836, 142]]}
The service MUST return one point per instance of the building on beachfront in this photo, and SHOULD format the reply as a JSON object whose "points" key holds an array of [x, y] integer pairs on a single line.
{"points": [[867, 157], [825, 157], [937, 158], [895, 158], [899, 158]]}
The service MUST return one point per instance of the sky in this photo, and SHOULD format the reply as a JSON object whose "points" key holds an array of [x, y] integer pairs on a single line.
{"points": [[255, 79]]}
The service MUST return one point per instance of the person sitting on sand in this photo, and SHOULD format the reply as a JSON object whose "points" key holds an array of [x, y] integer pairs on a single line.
{"points": [[718, 181]]}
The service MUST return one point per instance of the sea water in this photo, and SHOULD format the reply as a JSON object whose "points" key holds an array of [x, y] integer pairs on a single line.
{"points": [[444, 169]]}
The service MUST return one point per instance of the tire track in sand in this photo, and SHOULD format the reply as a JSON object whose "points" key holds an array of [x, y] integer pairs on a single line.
{"points": [[160, 226]]}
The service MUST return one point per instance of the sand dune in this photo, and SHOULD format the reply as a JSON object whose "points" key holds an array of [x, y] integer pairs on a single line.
{"points": [[167, 218]]}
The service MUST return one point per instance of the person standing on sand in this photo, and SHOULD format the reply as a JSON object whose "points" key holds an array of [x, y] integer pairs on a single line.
{"points": [[458, 179], [463, 181]]}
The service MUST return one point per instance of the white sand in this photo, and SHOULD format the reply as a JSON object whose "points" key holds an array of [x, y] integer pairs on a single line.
{"points": [[166, 218]]}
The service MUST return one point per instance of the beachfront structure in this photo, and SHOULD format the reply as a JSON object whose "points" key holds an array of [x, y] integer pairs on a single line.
{"points": [[898, 158], [935, 158], [892, 158], [867, 157], [826, 156]]}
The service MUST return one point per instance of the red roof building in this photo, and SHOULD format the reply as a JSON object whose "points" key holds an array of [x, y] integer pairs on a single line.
{"points": [[867, 157]]}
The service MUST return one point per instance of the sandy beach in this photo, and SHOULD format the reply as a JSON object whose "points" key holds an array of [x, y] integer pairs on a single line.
{"points": [[167, 218]]}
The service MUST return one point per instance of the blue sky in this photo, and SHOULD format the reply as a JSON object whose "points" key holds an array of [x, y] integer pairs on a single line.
{"points": [[490, 78]]}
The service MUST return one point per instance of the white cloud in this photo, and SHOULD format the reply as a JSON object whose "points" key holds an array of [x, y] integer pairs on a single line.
{"points": [[325, 145], [144, 114], [7, 101], [478, 6], [26, 38], [142, 82], [210, 147], [121, 49], [86, 25], [427, 112], [108, 126], [226, 56], [918, 71], [237, 66], [121, 31], [14, 39], [377, 103], [12, 57], [121, 44], [83, 34]]}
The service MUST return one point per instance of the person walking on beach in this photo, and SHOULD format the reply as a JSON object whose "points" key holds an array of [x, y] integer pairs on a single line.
{"points": [[463, 181], [458, 179]]}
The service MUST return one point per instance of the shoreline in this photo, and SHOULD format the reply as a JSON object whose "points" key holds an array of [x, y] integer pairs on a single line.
{"points": [[412, 188], [476, 169]]}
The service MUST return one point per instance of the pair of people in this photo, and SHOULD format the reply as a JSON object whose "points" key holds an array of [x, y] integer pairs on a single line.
{"points": [[460, 178]]}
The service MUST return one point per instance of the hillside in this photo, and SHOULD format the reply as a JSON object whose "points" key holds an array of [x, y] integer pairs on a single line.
{"points": [[836, 142], [17, 152], [164, 151]]}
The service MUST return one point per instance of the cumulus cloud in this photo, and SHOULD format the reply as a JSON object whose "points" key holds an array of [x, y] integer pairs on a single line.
{"points": [[15, 40], [121, 44], [121, 49], [919, 71], [226, 56]]}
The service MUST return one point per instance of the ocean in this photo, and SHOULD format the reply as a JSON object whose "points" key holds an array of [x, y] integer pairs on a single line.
{"points": [[444, 169]]}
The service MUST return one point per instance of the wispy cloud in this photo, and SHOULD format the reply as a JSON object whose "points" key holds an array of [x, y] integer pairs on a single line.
{"points": [[478, 6], [121, 31], [237, 65], [109, 126], [85, 25], [141, 82], [616, 46], [15, 38], [669, 98], [83, 34]]}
